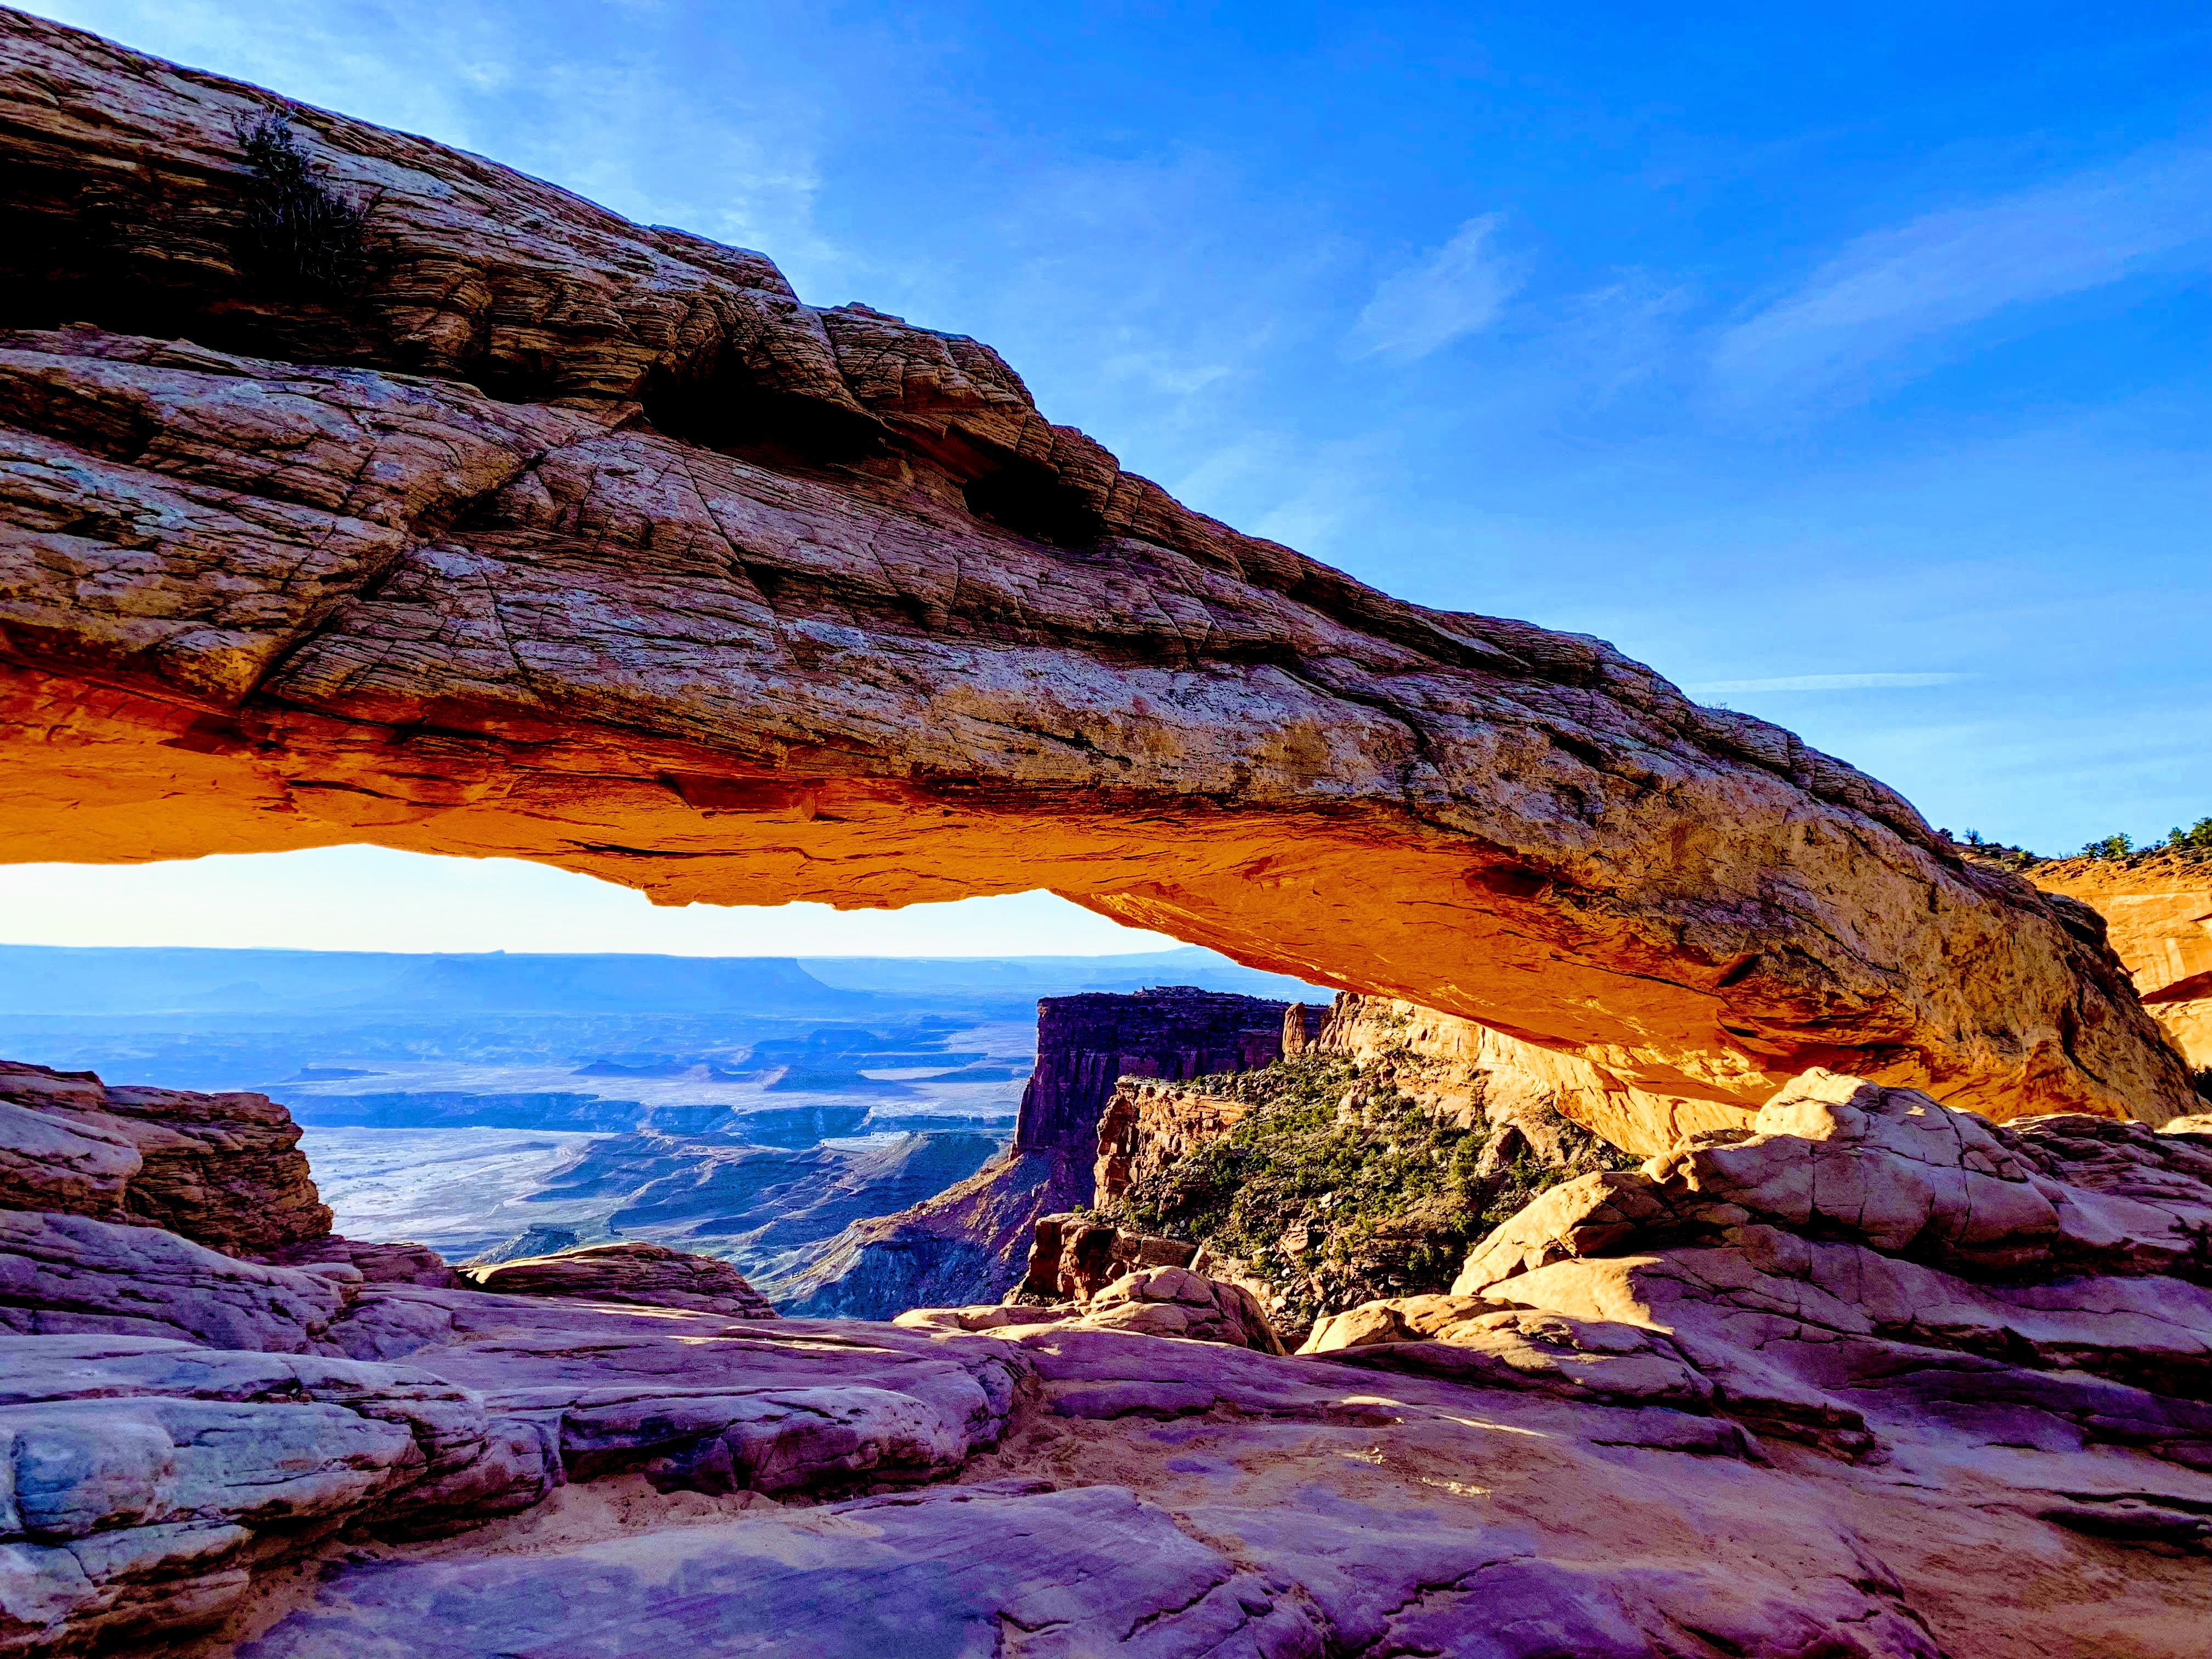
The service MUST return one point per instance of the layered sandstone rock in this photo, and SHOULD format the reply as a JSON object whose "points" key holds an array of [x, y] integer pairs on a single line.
{"points": [[649, 1275], [2157, 915], [1591, 1451], [1147, 1126], [1164, 1301], [1087, 1044], [224, 1171], [571, 539]]}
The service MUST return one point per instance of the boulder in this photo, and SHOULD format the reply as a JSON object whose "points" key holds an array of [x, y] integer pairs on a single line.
{"points": [[1863, 1237], [652, 1275], [1150, 1301], [1837, 1157], [1074, 1256], [377, 1264], [222, 1169]]}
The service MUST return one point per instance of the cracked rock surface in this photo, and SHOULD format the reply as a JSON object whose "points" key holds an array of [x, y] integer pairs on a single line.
{"points": [[576, 540]]}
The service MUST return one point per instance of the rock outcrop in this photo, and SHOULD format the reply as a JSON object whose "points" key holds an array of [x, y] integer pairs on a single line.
{"points": [[1455, 1067], [968, 1243], [565, 538], [2157, 915], [1864, 1258], [1088, 1043], [1147, 1126], [631, 1271], [223, 1171], [1151, 1301]]}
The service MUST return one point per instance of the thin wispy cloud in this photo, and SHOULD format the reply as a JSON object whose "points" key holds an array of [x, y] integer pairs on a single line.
{"points": [[1454, 292], [1893, 291], [1823, 683]]}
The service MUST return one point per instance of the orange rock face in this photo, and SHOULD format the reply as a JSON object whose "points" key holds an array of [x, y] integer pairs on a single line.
{"points": [[2159, 917], [572, 540]]}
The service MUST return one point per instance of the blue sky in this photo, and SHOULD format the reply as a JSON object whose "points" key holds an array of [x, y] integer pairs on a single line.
{"points": [[1850, 369]]}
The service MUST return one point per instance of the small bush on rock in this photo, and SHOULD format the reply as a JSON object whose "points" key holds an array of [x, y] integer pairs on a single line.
{"points": [[300, 234]]}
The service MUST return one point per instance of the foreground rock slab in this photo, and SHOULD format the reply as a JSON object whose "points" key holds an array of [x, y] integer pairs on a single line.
{"points": [[724, 596], [977, 1570]]}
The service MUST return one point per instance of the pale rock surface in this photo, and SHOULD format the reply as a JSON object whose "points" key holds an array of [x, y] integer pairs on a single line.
{"points": [[727, 597], [1490, 1476], [224, 1171], [1011, 1567], [377, 1264], [1459, 1070], [653, 1275], [2157, 915]]}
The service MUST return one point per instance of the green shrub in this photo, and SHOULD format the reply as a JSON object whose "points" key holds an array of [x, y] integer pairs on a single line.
{"points": [[1331, 1212], [299, 234]]}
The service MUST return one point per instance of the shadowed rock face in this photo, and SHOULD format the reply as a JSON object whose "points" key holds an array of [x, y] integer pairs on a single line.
{"points": [[569, 539]]}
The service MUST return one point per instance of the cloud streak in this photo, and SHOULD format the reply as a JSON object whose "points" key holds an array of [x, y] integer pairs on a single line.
{"points": [[1892, 291], [1455, 291]]}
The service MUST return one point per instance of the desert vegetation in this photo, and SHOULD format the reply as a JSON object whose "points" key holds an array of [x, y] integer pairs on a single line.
{"points": [[301, 235], [1339, 1190]]}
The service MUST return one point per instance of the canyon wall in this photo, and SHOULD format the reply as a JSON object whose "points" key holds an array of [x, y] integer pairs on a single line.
{"points": [[1086, 1043], [2158, 915], [968, 1242], [560, 538]]}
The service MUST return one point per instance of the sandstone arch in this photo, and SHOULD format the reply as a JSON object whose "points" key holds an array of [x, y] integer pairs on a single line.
{"points": [[578, 541]]}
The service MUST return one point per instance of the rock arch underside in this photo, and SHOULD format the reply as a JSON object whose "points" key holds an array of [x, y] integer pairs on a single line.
{"points": [[564, 538], [579, 541]]}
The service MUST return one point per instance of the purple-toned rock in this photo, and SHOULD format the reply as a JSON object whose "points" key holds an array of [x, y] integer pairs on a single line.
{"points": [[650, 1275], [223, 1170]]}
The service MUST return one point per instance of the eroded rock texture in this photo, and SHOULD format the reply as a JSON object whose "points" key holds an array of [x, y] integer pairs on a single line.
{"points": [[224, 1171], [1786, 1391], [571, 539]]}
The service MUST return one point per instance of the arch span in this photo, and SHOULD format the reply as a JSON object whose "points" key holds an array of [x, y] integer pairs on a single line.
{"points": [[569, 540]]}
